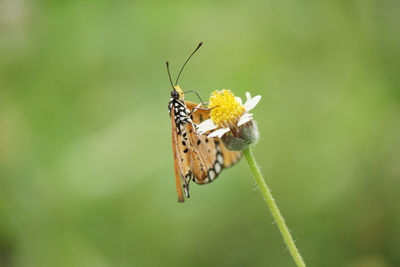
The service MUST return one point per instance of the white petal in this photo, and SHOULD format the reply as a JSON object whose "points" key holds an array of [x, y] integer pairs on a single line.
{"points": [[206, 126], [251, 102], [238, 99], [245, 118], [219, 132], [248, 96]]}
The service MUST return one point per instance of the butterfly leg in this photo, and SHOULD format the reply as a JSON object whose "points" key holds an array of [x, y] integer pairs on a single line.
{"points": [[197, 94], [200, 108], [194, 126]]}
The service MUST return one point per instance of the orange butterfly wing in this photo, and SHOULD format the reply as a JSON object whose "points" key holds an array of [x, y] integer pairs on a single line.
{"points": [[209, 156], [181, 147]]}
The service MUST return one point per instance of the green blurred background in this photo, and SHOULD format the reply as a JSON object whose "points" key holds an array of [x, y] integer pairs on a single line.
{"points": [[86, 166]]}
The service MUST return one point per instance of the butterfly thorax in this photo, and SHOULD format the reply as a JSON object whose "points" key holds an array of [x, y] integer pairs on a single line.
{"points": [[181, 112]]}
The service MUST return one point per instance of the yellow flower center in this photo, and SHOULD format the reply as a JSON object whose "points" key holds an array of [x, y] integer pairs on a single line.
{"points": [[225, 109]]}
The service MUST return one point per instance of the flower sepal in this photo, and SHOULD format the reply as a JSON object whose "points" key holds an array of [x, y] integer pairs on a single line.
{"points": [[246, 135]]}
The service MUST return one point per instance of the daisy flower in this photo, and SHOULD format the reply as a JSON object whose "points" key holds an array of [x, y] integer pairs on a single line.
{"points": [[230, 120]]}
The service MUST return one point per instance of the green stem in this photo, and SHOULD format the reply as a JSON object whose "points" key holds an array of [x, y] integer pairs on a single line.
{"points": [[280, 221]]}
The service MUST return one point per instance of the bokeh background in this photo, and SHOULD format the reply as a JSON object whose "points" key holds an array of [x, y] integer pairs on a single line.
{"points": [[86, 166]]}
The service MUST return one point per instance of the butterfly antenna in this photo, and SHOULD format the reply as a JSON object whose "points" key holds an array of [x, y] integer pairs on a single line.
{"points": [[183, 66], [169, 75]]}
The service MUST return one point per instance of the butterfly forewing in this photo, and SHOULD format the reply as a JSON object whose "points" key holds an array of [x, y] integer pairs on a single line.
{"points": [[181, 145], [177, 159]]}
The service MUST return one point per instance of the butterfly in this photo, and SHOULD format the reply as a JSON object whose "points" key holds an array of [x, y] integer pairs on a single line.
{"points": [[196, 157]]}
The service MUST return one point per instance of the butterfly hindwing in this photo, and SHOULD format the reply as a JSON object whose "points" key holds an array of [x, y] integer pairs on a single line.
{"points": [[211, 153], [230, 157]]}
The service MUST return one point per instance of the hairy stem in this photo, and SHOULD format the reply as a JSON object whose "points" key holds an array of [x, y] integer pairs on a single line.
{"points": [[280, 221]]}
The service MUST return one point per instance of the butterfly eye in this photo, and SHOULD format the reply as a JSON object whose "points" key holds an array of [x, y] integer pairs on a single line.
{"points": [[175, 94]]}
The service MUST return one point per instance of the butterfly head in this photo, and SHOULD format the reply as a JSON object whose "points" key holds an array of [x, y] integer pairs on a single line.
{"points": [[177, 93]]}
